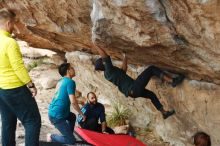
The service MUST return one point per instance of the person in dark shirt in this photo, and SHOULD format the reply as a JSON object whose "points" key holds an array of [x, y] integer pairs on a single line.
{"points": [[131, 87], [94, 111]]}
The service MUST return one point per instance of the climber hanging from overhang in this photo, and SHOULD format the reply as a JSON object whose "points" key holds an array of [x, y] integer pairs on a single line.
{"points": [[131, 87]]}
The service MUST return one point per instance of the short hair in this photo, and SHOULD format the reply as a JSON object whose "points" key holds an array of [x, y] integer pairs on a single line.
{"points": [[90, 93], [202, 139], [99, 65], [6, 14], [63, 69]]}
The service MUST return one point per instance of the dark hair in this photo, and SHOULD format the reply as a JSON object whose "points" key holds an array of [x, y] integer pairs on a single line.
{"points": [[202, 139], [90, 93], [7, 14], [99, 65], [63, 69]]}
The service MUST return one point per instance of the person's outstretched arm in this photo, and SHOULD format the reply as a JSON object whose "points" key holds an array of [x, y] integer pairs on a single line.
{"points": [[104, 126], [71, 88], [76, 106], [124, 64], [103, 119], [101, 51], [17, 64]]}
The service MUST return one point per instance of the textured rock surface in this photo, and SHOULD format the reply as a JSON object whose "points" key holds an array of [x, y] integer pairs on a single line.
{"points": [[196, 103], [181, 34], [34, 53]]}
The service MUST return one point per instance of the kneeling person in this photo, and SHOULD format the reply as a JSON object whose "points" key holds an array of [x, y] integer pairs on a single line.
{"points": [[59, 109], [94, 111]]}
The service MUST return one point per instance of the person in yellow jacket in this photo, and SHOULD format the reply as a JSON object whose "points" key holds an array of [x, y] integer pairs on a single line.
{"points": [[17, 91]]}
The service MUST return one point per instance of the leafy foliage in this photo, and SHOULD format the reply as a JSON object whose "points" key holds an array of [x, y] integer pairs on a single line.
{"points": [[118, 116], [34, 64]]}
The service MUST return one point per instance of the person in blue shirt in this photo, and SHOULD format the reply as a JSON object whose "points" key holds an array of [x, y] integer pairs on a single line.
{"points": [[59, 108], [135, 88], [94, 112]]}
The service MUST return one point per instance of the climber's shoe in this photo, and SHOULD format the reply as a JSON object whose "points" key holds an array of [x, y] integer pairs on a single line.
{"points": [[177, 80], [168, 114]]}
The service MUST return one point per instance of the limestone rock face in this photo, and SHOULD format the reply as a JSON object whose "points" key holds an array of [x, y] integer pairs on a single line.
{"points": [[181, 35], [48, 79], [196, 103]]}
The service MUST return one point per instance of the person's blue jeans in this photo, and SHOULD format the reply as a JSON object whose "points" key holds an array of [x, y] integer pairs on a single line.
{"points": [[19, 103], [66, 128]]}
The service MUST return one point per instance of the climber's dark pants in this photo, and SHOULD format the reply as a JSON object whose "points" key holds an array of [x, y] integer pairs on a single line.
{"points": [[142, 80]]}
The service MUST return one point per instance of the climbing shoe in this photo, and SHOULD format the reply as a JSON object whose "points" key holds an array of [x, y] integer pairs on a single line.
{"points": [[168, 113], [177, 80]]}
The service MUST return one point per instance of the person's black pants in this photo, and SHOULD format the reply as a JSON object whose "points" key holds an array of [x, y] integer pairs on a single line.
{"points": [[142, 80], [92, 124], [19, 103]]}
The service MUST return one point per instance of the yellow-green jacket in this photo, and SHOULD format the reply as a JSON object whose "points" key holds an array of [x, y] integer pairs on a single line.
{"points": [[13, 73]]}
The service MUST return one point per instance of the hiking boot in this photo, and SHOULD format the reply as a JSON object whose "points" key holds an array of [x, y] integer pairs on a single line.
{"points": [[177, 80], [168, 113]]}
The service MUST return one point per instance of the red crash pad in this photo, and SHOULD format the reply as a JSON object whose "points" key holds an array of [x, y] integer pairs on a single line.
{"points": [[100, 139]]}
